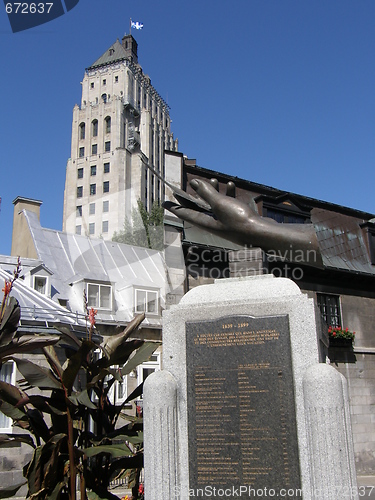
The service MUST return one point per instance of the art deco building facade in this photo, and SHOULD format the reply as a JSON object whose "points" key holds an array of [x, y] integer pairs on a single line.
{"points": [[121, 127]]}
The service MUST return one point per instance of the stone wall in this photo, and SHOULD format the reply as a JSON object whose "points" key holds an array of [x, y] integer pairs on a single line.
{"points": [[361, 383]]}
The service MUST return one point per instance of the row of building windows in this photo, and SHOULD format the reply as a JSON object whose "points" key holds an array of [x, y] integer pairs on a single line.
{"points": [[94, 149], [92, 189], [93, 170], [105, 228], [92, 208], [94, 128], [99, 296], [104, 82]]}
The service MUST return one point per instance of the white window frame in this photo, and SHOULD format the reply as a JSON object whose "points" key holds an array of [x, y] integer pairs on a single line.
{"points": [[99, 304], [114, 391], [153, 365], [46, 287], [9, 428], [148, 294]]}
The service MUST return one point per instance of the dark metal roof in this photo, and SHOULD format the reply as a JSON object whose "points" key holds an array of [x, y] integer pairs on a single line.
{"points": [[342, 241], [263, 189], [114, 53]]}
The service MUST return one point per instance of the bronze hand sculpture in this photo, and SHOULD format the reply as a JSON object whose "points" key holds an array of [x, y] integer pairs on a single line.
{"points": [[237, 222]]}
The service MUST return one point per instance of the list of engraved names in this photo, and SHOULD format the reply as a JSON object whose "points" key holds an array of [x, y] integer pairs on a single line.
{"points": [[240, 402]]}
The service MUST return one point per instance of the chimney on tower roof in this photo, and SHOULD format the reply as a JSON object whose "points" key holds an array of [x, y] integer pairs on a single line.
{"points": [[131, 48]]}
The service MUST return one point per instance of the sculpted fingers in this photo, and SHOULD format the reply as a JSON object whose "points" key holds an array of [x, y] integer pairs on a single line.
{"points": [[190, 215], [208, 192], [227, 209], [230, 189]]}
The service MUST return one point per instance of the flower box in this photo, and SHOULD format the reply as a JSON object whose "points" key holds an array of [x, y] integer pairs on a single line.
{"points": [[340, 337]]}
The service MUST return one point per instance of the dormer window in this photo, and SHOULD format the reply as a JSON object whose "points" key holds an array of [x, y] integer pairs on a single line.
{"points": [[147, 301], [40, 284], [40, 280], [99, 296]]}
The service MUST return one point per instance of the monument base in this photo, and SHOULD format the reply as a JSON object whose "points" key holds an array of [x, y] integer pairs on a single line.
{"points": [[237, 411]]}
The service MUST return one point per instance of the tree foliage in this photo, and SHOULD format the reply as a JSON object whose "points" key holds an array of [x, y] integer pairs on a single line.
{"points": [[144, 229], [65, 410]]}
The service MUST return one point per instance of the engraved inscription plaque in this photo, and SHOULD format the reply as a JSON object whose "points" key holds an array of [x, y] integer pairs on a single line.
{"points": [[241, 408]]}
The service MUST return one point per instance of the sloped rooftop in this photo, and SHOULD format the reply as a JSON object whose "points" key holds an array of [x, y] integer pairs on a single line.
{"points": [[342, 241], [114, 53], [74, 258], [36, 308]]}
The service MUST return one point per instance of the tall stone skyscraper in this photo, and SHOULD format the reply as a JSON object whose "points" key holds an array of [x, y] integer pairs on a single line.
{"points": [[121, 127]]}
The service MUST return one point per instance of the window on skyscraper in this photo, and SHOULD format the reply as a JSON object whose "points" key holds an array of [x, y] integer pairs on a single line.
{"points": [[106, 206], [93, 170], [81, 152], [106, 187], [106, 168], [79, 191], [92, 189], [105, 226], [92, 209], [82, 129], [107, 146], [107, 124], [79, 211], [80, 173], [92, 228], [94, 149], [94, 128]]}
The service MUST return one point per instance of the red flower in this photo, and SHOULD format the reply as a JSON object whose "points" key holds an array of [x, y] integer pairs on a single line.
{"points": [[92, 313], [7, 288], [334, 334]]}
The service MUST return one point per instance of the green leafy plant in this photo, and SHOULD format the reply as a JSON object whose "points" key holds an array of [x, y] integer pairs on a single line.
{"points": [[81, 439], [145, 229], [337, 332]]}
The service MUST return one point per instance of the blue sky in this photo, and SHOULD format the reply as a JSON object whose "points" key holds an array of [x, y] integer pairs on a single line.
{"points": [[280, 92]]}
